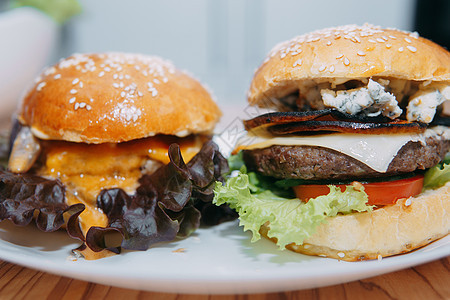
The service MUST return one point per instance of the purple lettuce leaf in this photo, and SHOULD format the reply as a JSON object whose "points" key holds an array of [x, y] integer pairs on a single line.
{"points": [[171, 202], [21, 195], [168, 203]]}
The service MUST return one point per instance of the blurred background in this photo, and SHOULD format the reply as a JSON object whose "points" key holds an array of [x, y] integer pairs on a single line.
{"points": [[221, 42]]}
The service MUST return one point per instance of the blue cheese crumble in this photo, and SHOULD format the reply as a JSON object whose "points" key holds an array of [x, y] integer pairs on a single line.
{"points": [[372, 101], [422, 105]]}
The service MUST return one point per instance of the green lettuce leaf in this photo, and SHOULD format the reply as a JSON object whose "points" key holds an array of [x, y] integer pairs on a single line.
{"points": [[438, 175], [291, 220]]}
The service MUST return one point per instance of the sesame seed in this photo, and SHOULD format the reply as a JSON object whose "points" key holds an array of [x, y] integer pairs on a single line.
{"points": [[140, 94], [120, 76], [81, 84], [379, 257], [72, 100], [372, 41], [107, 69], [392, 37], [408, 202], [102, 73], [401, 49], [411, 48], [82, 104], [77, 105], [341, 254], [115, 76], [88, 107], [122, 94], [322, 68], [121, 85], [329, 43], [414, 35], [116, 85], [73, 91], [50, 71], [283, 55], [340, 56], [380, 40], [357, 39], [332, 69], [40, 86], [407, 40], [165, 79], [154, 93], [389, 46], [384, 38], [127, 76], [346, 61], [156, 81], [298, 62], [57, 76], [92, 100], [75, 81], [361, 53]]}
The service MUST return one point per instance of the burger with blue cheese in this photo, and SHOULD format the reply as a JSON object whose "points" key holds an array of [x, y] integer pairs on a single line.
{"points": [[351, 163]]}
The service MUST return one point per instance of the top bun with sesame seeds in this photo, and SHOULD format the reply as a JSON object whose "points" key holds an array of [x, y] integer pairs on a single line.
{"points": [[345, 53], [116, 97]]}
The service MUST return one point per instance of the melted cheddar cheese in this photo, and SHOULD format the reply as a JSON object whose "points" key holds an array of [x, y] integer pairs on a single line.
{"points": [[86, 169]]}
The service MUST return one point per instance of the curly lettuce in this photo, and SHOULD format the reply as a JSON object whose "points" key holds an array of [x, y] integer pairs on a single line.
{"points": [[172, 202], [438, 175], [291, 220]]}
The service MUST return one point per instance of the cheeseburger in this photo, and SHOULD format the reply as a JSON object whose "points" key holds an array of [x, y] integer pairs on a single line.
{"points": [[101, 144], [350, 164]]}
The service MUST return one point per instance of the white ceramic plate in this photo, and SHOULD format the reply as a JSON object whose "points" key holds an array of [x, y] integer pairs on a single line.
{"points": [[216, 260]]}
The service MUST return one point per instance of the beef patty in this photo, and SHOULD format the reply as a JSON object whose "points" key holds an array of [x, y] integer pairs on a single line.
{"points": [[309, 162]]}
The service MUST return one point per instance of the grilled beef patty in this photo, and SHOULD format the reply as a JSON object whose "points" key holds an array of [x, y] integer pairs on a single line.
{"points": [[309, 162]]}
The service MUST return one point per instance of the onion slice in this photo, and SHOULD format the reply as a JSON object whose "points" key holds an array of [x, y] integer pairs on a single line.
{"points": [[25, 151]]}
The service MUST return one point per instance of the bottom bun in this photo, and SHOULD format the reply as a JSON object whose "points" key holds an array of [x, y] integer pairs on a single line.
{"points": [[409, 224]]}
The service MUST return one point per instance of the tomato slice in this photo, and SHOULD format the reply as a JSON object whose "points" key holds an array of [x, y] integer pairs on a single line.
{"points": [[379, 193]]}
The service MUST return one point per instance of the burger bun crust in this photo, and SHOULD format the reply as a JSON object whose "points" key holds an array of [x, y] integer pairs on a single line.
{"points": [[116, 97], [348, 52], [393, 229]]}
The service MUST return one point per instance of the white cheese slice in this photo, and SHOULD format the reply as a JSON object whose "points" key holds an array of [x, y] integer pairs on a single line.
{"points": [[375, 150]]}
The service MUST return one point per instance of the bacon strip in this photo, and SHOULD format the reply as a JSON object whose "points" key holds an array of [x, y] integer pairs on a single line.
{"points": [[347, 127], [330, 120], [285, 117]]}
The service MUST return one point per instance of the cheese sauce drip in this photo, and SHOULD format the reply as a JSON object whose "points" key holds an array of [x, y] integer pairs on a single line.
{"points": [[86, 169]]}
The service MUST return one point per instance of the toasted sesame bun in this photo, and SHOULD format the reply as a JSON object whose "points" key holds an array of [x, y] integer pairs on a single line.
{"points": [[116, 97], [347, 52], [393, 229]]}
